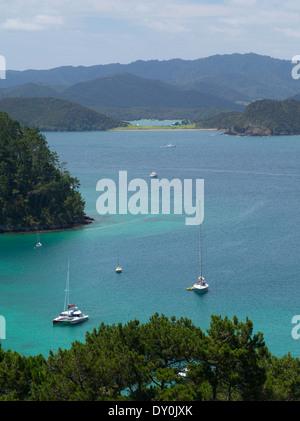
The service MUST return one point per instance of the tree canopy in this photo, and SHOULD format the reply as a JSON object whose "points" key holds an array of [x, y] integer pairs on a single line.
{"points": [[36, 190], [161, 360]]}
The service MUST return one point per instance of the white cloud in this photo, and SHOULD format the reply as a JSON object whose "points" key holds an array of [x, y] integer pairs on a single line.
{"points": [[241, 3], [47, 20], [288, 32], [37, 23], [129, 30], [165, 26], [17, 25], [133, 9]]}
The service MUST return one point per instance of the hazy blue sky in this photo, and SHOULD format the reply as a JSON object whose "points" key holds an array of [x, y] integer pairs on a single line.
{"points": [[42, 34]]}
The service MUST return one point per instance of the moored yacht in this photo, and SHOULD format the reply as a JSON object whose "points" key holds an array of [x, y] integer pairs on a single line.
{"points": [[38, 244], [200, 286], [72, 315]]}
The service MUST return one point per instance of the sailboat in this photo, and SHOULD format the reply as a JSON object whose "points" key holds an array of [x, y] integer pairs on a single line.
{"points": [[38, 244], [118, 268], [71, 314], [200, 286]]}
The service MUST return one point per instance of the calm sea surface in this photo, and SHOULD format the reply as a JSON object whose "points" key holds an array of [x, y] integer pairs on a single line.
{"points": [[251, 235]]}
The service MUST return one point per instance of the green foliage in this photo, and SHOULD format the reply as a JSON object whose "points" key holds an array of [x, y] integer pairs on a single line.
{"points": [[146, 362], [53, 114], [283, 379], [234, 353], [44, 193], [220, 121], [159, 113], [28, 90]]}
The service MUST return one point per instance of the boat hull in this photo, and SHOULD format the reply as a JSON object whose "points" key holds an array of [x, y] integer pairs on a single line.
{"points": [[200, 289], [70, 321]]}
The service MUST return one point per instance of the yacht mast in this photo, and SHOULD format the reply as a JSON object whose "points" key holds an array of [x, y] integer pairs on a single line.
{"points": [[67, 289]]}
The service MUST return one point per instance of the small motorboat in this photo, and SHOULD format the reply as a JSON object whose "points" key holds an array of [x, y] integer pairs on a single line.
{"points": [[169, 145]]}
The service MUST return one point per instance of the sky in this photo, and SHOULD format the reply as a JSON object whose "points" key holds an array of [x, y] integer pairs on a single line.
{"points": [[40, 34]]}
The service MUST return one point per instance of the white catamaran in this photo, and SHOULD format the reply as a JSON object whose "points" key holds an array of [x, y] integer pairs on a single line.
{"points": [[72, 315]]}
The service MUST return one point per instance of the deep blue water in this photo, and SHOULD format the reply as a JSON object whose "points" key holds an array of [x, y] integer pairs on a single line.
{"points": [[250, 241]]}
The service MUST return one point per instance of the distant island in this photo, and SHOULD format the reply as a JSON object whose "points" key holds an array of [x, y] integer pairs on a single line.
{"points": [[260, 118], [55, 114], [36, 191]]}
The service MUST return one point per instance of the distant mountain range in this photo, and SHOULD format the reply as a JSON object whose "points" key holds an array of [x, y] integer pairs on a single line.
{"points": [[129, 91], [129, 97], [187, 89]]}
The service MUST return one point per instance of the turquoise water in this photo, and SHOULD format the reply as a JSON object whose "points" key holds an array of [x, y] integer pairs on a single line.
{"points": [[250, 241]]}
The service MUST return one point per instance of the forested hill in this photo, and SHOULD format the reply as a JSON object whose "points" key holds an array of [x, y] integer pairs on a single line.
{"points": [[260, 118], [36, 191], [122, 96], [126, 90], [53, 114]]}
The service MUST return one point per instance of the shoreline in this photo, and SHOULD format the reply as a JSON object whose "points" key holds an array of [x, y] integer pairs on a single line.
{"points": [[132, 127], [88, 221]]}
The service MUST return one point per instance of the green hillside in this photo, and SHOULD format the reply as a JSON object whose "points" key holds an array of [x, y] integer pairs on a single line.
{"points": [[36, 191], [221, 121], [53, 114], [218, 90], [127, 91], [127, 97], [28, 90], [159, 113], [260, 118]]}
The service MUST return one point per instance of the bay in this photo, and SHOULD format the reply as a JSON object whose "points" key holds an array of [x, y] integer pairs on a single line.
{"points": [[250, 240]]}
